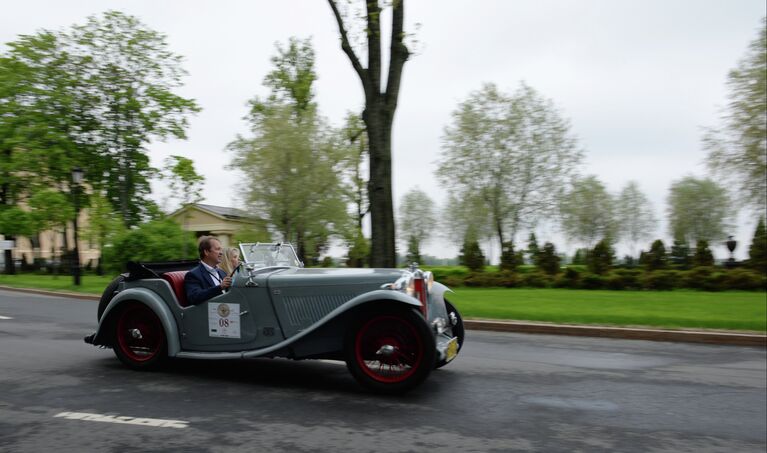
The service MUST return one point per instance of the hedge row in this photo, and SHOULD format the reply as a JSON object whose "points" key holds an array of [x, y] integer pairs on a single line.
{"points": [[701, 278]]}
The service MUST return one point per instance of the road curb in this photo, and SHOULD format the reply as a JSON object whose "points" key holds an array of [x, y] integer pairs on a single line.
{"points": [[687, 336]]}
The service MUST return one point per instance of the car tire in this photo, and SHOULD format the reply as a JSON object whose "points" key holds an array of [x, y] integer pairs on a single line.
{"points": [[390, 352], [139, 337], [457, 329], [109, 294]]}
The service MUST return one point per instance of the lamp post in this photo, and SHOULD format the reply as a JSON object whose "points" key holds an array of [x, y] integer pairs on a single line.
{"points": [[77, 178], [731, 244]]}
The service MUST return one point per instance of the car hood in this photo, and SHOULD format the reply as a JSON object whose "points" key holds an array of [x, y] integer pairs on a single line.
{"points": [[294, 277]]}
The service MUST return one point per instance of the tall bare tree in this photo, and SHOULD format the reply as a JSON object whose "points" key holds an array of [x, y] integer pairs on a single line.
{"points": [[380, 105]]}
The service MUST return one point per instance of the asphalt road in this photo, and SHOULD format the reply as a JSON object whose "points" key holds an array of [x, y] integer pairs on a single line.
{"points": [[504, 392]]}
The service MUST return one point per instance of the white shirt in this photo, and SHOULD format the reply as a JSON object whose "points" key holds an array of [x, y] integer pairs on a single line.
{"points": [[213, 273]]}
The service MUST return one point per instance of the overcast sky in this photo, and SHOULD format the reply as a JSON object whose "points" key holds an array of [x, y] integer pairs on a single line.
{"points": [[637, 79]]}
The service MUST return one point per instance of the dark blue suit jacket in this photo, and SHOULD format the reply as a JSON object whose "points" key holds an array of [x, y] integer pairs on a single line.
{"points": [[199, 286]]}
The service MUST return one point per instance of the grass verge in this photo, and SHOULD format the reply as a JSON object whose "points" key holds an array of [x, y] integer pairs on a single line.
{"points": [[730, 310], [91, 284]]}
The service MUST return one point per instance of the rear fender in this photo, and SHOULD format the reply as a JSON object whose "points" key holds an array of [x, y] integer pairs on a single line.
{"points": [[151, 300]]}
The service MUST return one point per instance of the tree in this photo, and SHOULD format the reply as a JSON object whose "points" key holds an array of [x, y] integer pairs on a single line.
{"points": [[14, 222], [757, 252], [738, 150], [103, 225], [548, 260], [380, 106], [471, 255], [680, 256], [509, 258], [133, 75], [635, 218], [354, 147], [416, 219], [511, 153], [532, 248], [93, 97], [51, 210], [587, 211], [601, 257], [698, 209], [703, 256], [184, 182], [413, 251], [157, 240], [656, 258], [292, 163]]}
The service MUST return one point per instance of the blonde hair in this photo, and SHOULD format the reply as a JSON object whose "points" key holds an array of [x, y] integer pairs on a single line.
{"points": [[226, 262]]}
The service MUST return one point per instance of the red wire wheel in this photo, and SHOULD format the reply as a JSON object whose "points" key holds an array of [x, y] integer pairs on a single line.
{"points": [[391, 352], [139, 337]]}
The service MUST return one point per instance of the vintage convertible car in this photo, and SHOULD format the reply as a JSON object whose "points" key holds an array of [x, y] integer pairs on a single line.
{"points": [[390, 326]]}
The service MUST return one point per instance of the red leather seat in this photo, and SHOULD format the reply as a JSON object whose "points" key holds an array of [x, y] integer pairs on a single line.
{"points": [[176, 280]]}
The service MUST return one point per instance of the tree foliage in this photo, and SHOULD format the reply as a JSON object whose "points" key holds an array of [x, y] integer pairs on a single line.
{"points": [[157, 240], [656, 258], [417, 221], [184, 182], [93, 96], [680, 255], [471, 255], [698, 209], [703, 255], [291, 161], [738, 149], [587, 211], [547, 259], [757, 252], [601, 257], [634, 215], [510, 154]]}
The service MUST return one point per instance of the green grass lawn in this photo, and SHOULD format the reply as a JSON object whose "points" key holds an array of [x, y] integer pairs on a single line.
{"points": [[731, 310], [90, 283]]}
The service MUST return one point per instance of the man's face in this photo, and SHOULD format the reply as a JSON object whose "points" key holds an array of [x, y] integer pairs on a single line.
{"points": [[214, 254]]}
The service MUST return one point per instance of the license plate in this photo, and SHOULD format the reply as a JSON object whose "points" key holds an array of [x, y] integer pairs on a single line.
{"points": [[452, 349]]}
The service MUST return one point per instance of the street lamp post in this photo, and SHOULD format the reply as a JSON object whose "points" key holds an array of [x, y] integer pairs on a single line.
{"points": [[77, 178]]}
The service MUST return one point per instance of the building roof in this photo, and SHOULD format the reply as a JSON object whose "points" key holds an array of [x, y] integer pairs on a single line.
{"points": [[229, 213], [219, 211]]}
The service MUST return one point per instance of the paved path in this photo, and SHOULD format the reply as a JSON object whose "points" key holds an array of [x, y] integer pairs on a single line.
{"points": [[505, 392]]}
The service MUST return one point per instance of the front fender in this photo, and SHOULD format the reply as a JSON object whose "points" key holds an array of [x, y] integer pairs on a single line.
{"points": [[151, 300], [359, 301]]}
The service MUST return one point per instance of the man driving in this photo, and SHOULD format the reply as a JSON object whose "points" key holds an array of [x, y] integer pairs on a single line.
{"points": [[206, 280]]}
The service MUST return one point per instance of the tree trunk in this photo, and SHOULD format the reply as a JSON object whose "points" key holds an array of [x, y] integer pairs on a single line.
{"points": [[378, 124], [378, 116]]}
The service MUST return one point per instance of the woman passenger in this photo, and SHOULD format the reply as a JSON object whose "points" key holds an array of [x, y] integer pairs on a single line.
{"points": [[231, 260]]}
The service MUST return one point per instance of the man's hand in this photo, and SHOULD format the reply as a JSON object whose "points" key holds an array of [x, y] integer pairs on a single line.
{"points": [[226, 283]]}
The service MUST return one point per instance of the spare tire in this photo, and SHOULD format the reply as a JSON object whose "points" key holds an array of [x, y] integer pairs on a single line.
{"points": [[109, 294]]}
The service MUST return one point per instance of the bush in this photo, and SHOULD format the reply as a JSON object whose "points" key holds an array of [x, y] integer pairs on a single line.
{"points": [[158, 240], [660, 280], [621, 279], [570, 279], [536, 280], [703, 256], [745, 279], [482, 280]]}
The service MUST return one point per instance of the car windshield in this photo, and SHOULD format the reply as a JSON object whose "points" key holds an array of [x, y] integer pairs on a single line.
{"points": [[264, 254]]}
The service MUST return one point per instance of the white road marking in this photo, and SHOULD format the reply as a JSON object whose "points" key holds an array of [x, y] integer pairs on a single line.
{"points": [[121, 419], [5, 317]]}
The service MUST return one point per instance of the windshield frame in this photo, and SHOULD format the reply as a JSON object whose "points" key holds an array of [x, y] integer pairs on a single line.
{"points": [[258, 255]]}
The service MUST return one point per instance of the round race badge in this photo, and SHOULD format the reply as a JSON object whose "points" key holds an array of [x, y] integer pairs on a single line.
{"points": [[223, 310]]}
